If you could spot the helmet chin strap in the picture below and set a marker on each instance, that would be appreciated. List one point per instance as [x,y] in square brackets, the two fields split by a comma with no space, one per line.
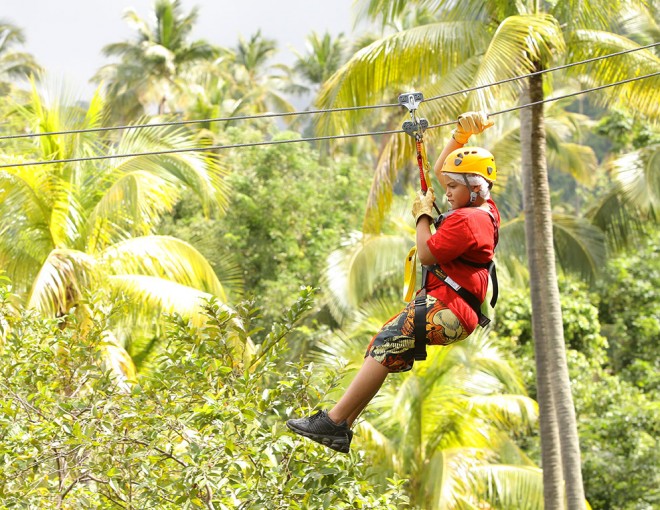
[473,194]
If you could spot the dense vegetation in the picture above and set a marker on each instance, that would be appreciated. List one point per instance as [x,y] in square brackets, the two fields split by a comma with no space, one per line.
[162,316]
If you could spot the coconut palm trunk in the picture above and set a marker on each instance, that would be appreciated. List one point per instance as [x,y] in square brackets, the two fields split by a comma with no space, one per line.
[550,449]
[553,384]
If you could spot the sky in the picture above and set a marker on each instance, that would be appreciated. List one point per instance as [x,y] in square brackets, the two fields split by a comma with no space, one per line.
[66,36]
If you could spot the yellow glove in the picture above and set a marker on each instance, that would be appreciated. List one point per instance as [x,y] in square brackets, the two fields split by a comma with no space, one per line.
[423,205]
[470,123]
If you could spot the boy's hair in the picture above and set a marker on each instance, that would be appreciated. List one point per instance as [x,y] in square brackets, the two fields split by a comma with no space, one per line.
[474,180]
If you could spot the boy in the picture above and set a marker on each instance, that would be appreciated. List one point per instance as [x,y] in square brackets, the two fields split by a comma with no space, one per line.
[461,246]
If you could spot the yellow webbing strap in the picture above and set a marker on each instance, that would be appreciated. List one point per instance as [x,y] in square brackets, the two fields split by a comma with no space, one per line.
[410,274]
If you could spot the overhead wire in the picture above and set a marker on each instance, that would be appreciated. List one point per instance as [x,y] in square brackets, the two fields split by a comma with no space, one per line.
[316,111]
[572,94]
[310,139]
[197,121]
[538,73]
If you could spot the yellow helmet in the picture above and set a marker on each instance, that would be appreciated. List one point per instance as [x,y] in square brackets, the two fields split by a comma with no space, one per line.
[471,160]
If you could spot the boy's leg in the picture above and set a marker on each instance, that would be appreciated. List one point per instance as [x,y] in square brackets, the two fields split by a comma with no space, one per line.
[333,429]
[359,393]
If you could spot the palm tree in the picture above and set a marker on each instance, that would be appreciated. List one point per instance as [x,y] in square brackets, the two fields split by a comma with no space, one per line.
[323,57]
[151,67]
[477,43]
[73,228]
[13,64]
[240,81]
[254,76]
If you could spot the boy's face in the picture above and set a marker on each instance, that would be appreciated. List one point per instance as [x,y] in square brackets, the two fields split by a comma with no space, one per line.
[457,194]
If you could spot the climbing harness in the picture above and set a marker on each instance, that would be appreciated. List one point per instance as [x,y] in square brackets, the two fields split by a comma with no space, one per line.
[470,298]
[415,127]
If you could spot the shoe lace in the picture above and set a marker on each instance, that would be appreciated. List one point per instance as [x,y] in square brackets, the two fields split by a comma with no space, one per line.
[316,417]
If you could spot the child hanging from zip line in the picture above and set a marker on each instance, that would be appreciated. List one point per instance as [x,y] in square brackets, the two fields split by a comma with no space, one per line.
[461,248]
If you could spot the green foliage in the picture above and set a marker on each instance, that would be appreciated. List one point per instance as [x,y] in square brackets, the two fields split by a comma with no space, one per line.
[288,211]
[580,320]
[202,429]
[630,313]
[625,132]
[618,422]
[619,430]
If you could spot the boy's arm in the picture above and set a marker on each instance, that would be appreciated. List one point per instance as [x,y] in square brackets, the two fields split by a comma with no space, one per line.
[451,145]
[468,124]
[423,235]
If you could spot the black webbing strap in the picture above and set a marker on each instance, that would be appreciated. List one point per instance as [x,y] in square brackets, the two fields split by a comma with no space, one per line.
[419,320]
[492,271]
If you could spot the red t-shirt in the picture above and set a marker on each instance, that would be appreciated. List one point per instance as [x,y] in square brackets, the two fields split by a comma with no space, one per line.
[468,233]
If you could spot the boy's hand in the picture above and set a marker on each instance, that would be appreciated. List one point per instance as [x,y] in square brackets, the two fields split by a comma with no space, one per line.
[423,205]
[471,123]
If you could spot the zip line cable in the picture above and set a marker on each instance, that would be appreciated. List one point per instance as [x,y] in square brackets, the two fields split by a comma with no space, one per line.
[197,121]
[311,139]
[572,94]
[537,73]
[311,112]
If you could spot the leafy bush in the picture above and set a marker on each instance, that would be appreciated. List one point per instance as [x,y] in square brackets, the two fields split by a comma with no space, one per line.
[288,210]
[579,315]
[619,429]
[618,424]
[630,313]
[204,428]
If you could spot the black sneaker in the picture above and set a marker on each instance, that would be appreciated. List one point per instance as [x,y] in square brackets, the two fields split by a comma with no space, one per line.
[320,428]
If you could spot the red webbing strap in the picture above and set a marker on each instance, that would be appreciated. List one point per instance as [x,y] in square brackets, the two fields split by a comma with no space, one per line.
[420,162]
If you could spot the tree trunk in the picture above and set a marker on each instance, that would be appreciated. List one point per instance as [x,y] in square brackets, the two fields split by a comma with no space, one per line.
[553,479]
[552,369]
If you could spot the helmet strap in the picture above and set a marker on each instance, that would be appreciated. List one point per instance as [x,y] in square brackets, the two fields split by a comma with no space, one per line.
[473,194]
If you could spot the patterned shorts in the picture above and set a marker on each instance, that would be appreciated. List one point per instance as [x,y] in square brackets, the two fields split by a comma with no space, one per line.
[394,345]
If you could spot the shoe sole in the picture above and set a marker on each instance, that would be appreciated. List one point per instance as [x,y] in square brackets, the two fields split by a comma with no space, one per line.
[339,444]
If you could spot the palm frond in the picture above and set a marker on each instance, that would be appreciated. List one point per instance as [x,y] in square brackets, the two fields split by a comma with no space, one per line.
[516,44]
[61,281]
[360,266]
[151,295]
[66,214]
[509,487]
[371,75]
[639,176]
[164,257]
[390,162]
[132,205]
[632,199]
[118,360]
[199,171]
[510,412]
[578,160]
[580,247]
[447,479]
[512,240]
[639,97]
[620,220]
[383,451]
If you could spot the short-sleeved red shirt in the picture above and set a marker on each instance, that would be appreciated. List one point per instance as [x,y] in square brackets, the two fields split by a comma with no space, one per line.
[469,233]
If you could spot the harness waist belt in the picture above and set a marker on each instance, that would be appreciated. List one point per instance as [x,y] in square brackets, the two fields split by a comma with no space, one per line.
[467,296]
